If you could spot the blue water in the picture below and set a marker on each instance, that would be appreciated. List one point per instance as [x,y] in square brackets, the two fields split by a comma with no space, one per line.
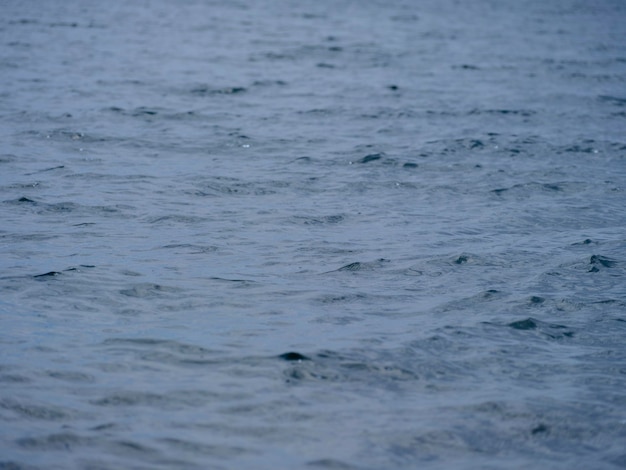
[341,235]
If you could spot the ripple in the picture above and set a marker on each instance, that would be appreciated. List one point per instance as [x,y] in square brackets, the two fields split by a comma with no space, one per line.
[36,411]
[61,441]
[149,291]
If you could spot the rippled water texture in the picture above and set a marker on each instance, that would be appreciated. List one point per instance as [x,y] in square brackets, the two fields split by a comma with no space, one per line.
[327,235]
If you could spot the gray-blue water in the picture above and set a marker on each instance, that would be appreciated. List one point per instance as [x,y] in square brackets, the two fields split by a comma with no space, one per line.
[312,235]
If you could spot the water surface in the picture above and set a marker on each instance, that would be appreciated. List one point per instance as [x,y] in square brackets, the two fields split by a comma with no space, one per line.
[341,235]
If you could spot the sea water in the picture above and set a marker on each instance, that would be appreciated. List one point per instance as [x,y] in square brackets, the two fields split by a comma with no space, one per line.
[327,235]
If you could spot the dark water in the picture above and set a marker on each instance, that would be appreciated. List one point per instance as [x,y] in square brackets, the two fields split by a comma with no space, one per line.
[332,234]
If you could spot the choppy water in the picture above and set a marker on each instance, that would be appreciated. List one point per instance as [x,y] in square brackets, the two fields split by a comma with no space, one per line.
[332,234]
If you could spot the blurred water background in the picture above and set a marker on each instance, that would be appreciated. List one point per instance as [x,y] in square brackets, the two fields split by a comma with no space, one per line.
[324,235]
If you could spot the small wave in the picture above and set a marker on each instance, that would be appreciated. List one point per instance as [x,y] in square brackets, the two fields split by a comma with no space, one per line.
[35,411]
[149,291]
